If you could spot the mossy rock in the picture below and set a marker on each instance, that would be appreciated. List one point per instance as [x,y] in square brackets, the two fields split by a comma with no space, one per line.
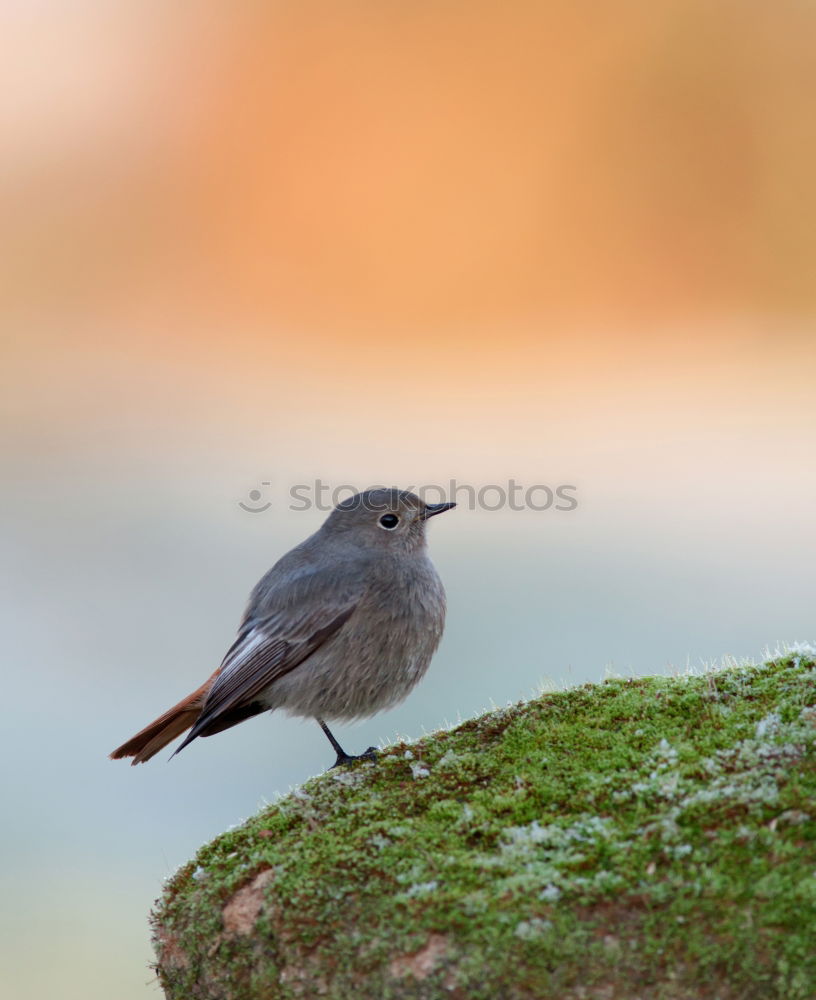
[642,838]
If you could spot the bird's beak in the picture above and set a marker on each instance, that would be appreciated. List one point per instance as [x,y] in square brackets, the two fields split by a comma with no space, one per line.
[432,509]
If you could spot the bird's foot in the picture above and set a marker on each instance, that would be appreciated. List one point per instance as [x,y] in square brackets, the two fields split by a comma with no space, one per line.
[343,759]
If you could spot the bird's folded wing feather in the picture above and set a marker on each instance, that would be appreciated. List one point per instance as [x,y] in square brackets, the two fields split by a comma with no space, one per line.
[275,637]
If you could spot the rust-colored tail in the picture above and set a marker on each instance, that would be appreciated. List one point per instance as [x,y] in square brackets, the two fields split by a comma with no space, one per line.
[176,720]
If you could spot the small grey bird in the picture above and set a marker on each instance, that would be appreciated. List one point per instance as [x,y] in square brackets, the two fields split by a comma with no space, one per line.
[341,627]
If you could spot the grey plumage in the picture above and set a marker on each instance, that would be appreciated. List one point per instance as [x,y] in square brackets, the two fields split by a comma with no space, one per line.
[341,627]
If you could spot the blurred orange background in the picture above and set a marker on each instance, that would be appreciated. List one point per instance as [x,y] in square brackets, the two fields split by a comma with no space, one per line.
[261,243]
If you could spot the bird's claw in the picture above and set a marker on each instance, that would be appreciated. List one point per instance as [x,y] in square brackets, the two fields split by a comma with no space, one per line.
[344,759]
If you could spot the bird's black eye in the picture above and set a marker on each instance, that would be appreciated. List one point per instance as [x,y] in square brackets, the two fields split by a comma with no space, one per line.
[389,521]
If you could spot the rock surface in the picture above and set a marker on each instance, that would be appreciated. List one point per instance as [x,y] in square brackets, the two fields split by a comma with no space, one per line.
[643,838]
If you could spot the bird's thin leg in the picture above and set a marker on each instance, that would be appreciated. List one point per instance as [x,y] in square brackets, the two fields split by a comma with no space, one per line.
[342,757]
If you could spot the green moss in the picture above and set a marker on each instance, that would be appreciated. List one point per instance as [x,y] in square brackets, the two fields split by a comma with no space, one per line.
[658,832]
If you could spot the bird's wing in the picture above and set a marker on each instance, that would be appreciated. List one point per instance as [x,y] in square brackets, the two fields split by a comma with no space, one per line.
[294,620]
